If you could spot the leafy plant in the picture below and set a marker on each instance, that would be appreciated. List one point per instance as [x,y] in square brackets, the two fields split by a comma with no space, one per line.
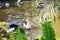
[11,36]
[21,34]
[48,31]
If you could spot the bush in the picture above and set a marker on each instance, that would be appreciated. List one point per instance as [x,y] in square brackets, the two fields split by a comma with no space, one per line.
[48,31]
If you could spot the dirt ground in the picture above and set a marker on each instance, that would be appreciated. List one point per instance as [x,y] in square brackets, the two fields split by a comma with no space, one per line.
[57,26]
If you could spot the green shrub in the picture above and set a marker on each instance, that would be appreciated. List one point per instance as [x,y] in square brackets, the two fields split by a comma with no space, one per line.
[47,31]
[20,35]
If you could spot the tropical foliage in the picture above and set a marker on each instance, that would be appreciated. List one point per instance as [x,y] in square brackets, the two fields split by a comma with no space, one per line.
[47,31]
